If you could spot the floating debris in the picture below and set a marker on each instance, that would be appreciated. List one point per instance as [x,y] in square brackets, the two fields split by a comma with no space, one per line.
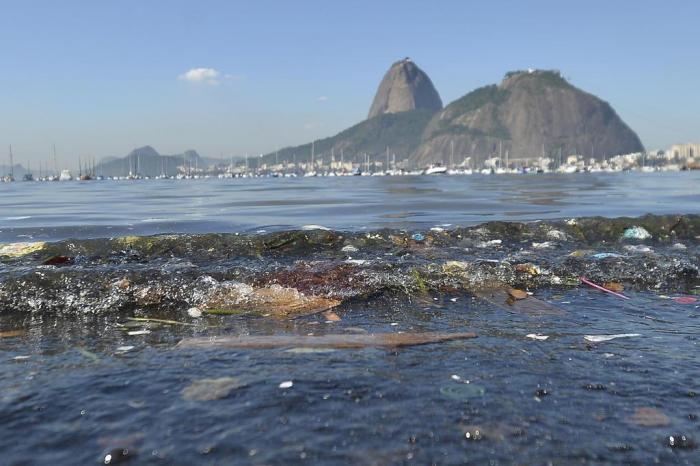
[598,287]
[12,333]
[274,300]
[681,441]
[158,321]
[649,417]
[58,260]
[501,298]
[601,338]
[517,294]
[194,312]
[286,384]
[606,255]
[339,341]
[636,232]
[349,248]
[124,349]
[331,316]
[537,336]
[211,389]
[21,249]
[685,299]
[138,332]
[613,286]
[418,237]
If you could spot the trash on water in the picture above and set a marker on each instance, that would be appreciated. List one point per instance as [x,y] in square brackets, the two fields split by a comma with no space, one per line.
[12,333]
[417,237]
[211,389]
[636,232]
[21,249]
[649,417]
[556,234]
[537,336]
[58,260]
[681,441]
[349,248]
[598,287]
[138,332]
[340,341]
[303,350]
[613,286]
[278,301]
[22,357]
[601,338]
[194,312]
[606,255]
[118,455]
[638,248]
[287,384]
[489,244]
[124,349]
[685,299]
[159,321]
[463,391]
[543,245]
[517,294]
[331,316]
[528,268]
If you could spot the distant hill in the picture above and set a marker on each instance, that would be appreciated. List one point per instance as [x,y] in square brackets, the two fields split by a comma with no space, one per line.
[531,113]
[146,161]
[400,132]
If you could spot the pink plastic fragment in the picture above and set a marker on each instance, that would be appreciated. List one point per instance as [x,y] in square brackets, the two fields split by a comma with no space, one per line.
[598,287]
[685,300]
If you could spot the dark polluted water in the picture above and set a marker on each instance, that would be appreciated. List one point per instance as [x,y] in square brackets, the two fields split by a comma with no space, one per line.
[427,345]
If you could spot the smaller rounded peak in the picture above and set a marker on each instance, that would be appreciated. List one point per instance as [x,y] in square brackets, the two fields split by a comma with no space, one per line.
[553,77]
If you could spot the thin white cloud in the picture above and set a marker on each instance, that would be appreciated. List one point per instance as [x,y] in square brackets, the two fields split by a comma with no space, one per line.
[322,98]
[201,75]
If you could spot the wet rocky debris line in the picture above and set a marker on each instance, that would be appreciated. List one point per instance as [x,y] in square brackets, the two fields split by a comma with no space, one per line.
[294,273]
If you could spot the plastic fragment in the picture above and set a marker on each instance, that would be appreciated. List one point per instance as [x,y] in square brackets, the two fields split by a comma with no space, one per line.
[598,287]
[649,417]
[12,333]
[537,336]
[349,248]
[606,255]
[194,312]
[211,389]
[602,338]
[287,384]
[685,300]
[417,237]
[20,249]
[636,232]
[124,349]
[138,332]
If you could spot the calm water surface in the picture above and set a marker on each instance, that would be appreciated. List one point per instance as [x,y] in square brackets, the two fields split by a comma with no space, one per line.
[51,211]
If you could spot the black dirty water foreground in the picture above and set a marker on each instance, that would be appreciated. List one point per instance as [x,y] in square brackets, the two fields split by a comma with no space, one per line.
[546,342]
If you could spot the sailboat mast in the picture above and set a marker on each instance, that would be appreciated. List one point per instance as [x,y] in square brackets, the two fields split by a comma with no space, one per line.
[12,164]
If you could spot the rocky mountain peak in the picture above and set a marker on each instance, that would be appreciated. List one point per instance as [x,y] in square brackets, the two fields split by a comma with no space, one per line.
[404,87]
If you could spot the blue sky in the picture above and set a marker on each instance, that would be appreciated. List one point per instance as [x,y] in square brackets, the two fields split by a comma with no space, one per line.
[101,77]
